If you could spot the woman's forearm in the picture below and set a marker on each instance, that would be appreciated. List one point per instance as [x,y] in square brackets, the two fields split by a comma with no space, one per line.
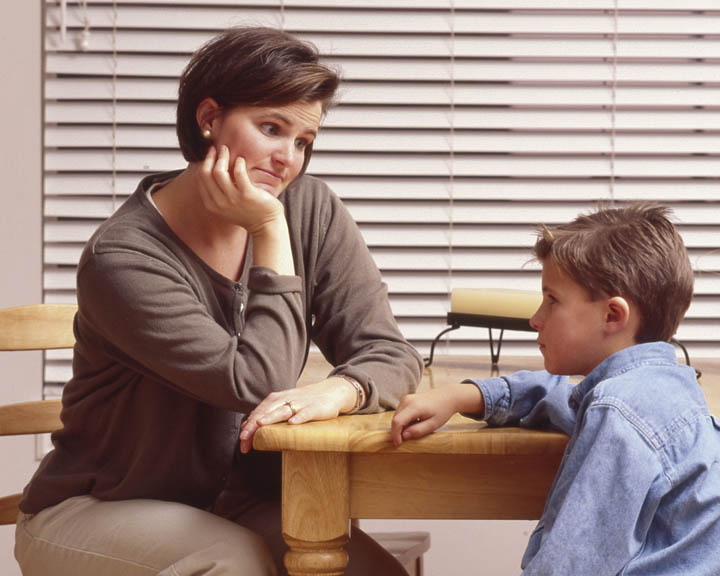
[271,247]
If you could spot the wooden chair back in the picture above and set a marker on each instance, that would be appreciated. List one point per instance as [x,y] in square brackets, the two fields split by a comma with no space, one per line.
[33,327]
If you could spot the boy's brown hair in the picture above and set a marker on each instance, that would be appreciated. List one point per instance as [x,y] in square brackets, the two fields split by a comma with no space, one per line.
[633,252]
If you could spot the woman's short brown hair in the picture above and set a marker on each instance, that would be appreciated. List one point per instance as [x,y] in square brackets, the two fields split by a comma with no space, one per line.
[633,252]
[251,67]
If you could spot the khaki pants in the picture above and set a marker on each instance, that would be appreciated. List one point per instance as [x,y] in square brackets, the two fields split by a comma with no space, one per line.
[86,537]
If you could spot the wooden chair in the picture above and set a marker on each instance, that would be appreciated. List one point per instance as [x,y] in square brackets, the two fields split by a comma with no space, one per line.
[33,327]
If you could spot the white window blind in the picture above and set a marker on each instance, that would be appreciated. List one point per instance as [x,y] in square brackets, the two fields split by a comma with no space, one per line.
[462,125]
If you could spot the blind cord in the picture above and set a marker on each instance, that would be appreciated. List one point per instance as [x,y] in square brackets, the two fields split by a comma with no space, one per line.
[451,190]
[613,106]
[63,20]
[85,34]
[114,106]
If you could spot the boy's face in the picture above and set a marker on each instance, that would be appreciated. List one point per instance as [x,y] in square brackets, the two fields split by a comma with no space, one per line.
[570,325]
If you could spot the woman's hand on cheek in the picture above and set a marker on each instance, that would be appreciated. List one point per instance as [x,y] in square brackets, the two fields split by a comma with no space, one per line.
[322,400]
[235,198]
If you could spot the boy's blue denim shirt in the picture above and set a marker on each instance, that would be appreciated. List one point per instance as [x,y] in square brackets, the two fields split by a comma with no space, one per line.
[638,489]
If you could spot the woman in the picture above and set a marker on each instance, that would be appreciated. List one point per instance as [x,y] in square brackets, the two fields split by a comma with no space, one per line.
[197,302]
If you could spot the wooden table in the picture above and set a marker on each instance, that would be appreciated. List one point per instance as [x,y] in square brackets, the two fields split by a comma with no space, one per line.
[348,468]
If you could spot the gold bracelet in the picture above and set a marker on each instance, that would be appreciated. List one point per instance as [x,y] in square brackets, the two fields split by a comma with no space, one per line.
[360,402]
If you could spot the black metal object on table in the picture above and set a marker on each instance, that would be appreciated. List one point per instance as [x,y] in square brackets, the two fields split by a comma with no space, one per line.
[456,320]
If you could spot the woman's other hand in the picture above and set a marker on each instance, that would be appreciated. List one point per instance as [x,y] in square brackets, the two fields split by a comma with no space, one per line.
[322,400]
[418,415]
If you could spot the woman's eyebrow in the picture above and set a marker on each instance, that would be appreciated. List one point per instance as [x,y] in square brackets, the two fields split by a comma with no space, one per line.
[285,120]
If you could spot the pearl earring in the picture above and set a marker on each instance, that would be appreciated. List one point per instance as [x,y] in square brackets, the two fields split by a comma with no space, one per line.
[206,134]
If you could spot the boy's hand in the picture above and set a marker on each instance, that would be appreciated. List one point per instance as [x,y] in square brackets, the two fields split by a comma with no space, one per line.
[418,415]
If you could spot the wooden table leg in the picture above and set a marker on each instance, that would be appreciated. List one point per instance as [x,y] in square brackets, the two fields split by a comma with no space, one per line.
[316,512]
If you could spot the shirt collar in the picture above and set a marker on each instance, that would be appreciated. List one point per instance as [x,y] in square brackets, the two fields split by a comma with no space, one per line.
[622,361]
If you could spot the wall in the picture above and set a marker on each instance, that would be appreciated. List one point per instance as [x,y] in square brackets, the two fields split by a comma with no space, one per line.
[20,226]
[462,547]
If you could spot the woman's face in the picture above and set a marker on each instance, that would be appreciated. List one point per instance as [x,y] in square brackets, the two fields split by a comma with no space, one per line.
[272,140]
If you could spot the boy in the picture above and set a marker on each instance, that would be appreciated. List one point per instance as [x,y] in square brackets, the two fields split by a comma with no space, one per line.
[638,490]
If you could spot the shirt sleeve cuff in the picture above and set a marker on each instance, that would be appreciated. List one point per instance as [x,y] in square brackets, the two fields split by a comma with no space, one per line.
[359,376]
[268,281]
[496,395]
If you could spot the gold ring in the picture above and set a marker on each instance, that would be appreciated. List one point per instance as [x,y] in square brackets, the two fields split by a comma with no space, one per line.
[290,405]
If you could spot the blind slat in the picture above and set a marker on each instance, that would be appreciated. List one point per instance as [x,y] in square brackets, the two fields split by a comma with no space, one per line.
[351,187]
[424,70]
[414,46]
[398,21]
[156,91]
[61,280]
[478,211]
[418,141]
[358,117]
[651,5]
[408,164]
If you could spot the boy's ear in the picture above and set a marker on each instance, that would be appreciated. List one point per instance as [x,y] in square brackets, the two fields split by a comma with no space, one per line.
[617,314]
[206,113]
